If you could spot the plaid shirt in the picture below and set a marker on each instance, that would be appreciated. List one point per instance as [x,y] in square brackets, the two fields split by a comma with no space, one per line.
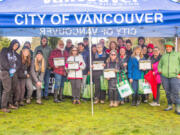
[56,53]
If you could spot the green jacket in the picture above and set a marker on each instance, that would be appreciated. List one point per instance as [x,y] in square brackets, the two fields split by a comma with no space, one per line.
[169,64]
[46,52]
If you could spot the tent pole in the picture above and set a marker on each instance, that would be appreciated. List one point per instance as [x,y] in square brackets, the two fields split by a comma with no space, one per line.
[176,43]
[90,58]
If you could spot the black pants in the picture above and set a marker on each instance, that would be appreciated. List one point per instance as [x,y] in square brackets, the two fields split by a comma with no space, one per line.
[76,88]
[158,94]
[99,94]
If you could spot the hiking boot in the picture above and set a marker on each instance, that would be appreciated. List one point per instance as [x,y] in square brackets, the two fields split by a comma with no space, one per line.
[38,101]
[21,103]
[5,110]
[12,107]
[28,101]
[177,111]
[170,107]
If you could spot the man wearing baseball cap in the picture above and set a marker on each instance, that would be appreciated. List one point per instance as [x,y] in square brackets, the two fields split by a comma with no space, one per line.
[169,67]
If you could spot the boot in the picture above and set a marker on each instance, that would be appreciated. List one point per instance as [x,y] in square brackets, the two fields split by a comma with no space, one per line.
[6,110]
[177,109]
[170,107]
[133,100]
[56,96]
[61,94]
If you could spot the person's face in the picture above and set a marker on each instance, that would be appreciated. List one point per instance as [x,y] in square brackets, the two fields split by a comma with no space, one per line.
[113,56]
[68,44]
[156,52]
[86,42]
[74,52]
[39,57]
[169,49]
[150,50]
[120,42]
[113,46]
[144,50]
[128,46]
[81,48]
[94,50]
[141,42]
[138,51]
[122,51]
[25,52]
[102,42]
[15,46]
[44,41]
[99,49]
[61,45]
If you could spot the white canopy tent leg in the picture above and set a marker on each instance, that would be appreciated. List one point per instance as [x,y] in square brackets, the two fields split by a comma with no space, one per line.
[176,48]
[91,82]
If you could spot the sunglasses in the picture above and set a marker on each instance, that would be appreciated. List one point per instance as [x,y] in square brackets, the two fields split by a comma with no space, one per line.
[113,54]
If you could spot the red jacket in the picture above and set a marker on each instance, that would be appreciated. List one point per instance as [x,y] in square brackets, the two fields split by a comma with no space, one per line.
[56,53]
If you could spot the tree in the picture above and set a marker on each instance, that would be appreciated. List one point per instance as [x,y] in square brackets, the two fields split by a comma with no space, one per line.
[4,42]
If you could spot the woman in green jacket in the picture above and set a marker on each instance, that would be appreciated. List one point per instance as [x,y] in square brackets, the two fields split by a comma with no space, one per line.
[169,67]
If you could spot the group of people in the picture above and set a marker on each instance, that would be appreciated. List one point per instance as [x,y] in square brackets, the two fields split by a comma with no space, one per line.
[28,69]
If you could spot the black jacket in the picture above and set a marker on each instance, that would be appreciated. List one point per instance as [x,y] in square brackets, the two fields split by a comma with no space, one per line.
[8,53]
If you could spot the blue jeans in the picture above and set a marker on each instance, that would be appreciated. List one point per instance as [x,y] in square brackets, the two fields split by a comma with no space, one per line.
[58,81]
[46,82]
[172,88]
[135,86]
[62,81]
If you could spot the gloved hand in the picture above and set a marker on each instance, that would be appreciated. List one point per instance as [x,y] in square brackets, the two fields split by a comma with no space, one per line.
[12,71]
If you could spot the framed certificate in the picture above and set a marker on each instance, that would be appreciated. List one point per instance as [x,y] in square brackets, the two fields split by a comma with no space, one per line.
[59,62]
[73,65]
[109,73]
[98,65]
[145,64]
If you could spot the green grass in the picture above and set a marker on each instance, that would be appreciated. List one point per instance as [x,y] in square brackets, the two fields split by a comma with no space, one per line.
[68,119]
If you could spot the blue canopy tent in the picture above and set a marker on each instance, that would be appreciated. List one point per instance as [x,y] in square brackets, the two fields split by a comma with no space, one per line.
[93,18]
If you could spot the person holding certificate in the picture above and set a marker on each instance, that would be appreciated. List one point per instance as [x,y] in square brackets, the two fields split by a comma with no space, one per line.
[134,73]
[98,61]
[75,66]
[113,63]
[57,61]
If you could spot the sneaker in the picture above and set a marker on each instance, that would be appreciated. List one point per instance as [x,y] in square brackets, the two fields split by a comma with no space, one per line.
[74,101]
[154,104]
[39,102]
[102,102]
[122,102]
[46,98]
[115,104]
[111,104]
[96,101]
[168,108]
[78,102]
[21,103]
[145,101]
[28,101]
[12,107]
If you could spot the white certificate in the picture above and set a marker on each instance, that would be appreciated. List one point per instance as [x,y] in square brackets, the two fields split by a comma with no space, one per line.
[145,64]
[73,65]
[109,73]
[59,62]
[98,65]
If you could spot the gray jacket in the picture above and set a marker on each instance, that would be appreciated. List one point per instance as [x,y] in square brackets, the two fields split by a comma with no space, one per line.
[36,75]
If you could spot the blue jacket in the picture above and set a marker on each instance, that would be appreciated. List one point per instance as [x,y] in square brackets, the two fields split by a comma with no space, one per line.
[85,55]
[133,69]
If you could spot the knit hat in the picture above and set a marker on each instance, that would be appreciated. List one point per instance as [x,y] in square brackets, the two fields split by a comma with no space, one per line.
[169,44]
[39,52]
[150,45]
[122,47]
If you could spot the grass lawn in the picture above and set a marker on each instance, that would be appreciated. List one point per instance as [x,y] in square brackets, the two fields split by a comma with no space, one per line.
[68,119]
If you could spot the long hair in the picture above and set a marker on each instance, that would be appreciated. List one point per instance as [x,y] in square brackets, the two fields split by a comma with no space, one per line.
[112,43]
[134,52]
[72,49]
[109,59]
[26,60]
[37,68]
